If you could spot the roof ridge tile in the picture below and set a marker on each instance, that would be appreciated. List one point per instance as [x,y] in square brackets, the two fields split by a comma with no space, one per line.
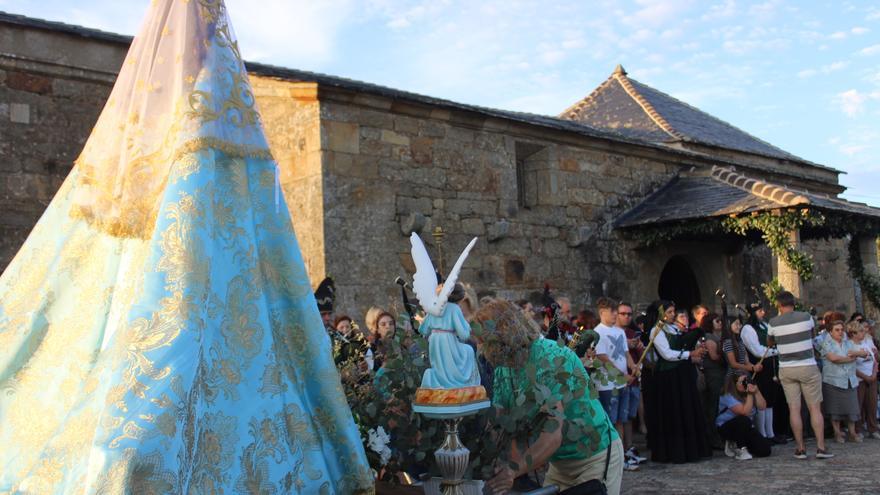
[662,123]
[762,189]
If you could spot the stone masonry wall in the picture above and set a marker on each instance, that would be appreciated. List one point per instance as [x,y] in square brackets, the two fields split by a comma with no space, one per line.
[44,122]
[52,88]
[390,165]
[832,286]
[292,123]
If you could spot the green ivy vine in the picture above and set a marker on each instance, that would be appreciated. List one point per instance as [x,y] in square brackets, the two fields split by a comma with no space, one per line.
[870,284]
[775,229]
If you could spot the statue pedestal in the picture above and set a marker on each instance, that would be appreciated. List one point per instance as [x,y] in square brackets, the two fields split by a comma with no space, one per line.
[452,457]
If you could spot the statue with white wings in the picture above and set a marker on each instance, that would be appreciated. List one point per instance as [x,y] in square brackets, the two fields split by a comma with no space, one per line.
[453,364]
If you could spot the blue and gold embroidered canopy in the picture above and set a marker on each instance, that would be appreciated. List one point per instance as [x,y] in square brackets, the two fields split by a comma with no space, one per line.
[158,332]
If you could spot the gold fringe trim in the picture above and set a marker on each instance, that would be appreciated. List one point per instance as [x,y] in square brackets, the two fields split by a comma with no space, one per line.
[138,220]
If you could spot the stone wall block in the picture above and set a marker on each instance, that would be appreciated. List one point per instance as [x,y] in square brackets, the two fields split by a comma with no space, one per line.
[407,204]
[375,147]
[471,207]
[20,113]
[379,120]
[473,226]
[569,164]
[556,248]
[422,149]
[414,222]
[340,113]
[432,128]
[370,132]
[460,134]
[580,235]
[406,125]
[498,230]
[32,83]
[394,138]
[340,136]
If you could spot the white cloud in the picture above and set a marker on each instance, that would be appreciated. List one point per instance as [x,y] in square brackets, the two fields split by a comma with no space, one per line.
[298,33]
[851,102]
[750,45]
[656,13]
[825,69]
[838,35]
[723,11]
[861,143]
[671,34]
[870,50]
[765,11]
[807,73]
[859,30]
[854,102]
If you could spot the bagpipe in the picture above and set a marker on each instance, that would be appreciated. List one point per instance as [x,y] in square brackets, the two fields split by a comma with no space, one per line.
[409,307]
[747,313]
[557,327]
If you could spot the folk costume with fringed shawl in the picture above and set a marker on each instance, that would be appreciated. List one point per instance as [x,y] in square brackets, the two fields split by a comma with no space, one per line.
[676,423]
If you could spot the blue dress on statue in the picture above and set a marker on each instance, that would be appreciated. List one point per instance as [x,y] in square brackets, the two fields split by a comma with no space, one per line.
[183,355]
[452,360]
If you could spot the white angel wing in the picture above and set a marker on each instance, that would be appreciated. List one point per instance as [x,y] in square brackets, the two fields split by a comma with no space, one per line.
[425,278]
[449,284]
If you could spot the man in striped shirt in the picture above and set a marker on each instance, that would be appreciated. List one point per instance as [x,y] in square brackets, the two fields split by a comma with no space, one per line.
[792,333]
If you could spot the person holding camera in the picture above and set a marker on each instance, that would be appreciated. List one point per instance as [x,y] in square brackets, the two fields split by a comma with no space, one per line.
[736,412]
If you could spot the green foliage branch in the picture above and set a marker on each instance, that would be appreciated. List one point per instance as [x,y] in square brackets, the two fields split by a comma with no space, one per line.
[385,399]
[774,228]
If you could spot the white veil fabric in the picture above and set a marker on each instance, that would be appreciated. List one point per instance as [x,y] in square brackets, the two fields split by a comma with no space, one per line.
[173,97]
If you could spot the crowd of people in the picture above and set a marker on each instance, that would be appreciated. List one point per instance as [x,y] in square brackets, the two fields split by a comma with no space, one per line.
[689,379]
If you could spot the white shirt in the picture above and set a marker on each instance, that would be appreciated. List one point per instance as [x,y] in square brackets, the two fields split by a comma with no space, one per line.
[750,338]
[661,344]
[612,343]
[865,365]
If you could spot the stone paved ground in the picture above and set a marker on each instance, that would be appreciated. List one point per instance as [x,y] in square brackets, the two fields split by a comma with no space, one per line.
[855,469]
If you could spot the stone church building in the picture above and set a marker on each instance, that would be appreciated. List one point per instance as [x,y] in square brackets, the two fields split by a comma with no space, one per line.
[556,199]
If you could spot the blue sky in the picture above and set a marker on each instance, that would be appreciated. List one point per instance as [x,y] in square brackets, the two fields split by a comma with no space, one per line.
[804,76]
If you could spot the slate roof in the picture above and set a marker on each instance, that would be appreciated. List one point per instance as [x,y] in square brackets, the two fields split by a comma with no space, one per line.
[723,192]
[650,136]
[341,82]
[375,89]
[62,27]
[630,108]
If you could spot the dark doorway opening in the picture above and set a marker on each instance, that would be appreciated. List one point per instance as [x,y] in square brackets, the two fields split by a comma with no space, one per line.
[678,283]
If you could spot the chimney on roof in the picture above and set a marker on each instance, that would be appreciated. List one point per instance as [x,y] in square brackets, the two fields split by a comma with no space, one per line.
[619,70]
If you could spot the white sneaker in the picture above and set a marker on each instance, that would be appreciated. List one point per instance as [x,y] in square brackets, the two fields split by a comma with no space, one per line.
[875,435]
[729,448]
[742,454]
[633,455]
[630,466]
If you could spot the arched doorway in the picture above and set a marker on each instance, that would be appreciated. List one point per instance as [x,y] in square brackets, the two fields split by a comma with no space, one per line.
[679,283]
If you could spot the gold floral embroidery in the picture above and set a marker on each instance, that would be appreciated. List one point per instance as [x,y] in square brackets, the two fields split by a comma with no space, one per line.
[215,454]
